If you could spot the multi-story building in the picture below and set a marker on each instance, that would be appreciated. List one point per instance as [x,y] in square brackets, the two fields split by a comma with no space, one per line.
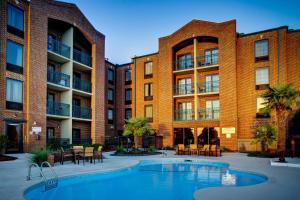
[204,83]
[52,78]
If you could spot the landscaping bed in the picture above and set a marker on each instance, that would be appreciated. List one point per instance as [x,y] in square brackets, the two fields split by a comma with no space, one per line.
[7,158]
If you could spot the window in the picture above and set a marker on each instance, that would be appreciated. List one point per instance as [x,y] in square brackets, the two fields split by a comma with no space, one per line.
[128,93]
[211,56]
[260,104]
[149,112]
[148,91]
[128,113]
[261,50]
[14,94]
[185,112]
[128,77]
[185,86]
[212,109]
[15,20]
[148,70]
[110,96]
[14,56]
[184,62]
[110,116]
[110,76]
[211,83]
[262,77]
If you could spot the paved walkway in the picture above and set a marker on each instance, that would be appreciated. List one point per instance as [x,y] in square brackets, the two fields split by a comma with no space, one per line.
[283,182]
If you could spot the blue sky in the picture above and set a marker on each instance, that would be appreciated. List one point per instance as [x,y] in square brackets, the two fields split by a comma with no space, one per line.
[132,27]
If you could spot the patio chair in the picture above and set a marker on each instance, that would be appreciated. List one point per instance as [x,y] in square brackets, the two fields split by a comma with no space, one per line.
[204,150]
[89,153]
[65,154]
[193,149]
[98,154]
[78,153]
[214,150]
[180,149]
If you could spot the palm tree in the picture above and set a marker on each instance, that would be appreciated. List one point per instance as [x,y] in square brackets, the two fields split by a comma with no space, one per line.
[137,127]
[281,98]
[265,135]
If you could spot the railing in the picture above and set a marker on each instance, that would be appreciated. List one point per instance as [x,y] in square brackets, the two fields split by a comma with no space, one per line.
[81,112]
[82,141]
[82,85]
[58,78]
[183,89]
[209,86]
[184,64]
[208,60]
[54,108]
[184,115]
[58,47]
[209,114]
[82,57]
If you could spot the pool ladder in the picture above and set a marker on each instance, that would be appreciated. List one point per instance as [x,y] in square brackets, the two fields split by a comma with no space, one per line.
[49,182]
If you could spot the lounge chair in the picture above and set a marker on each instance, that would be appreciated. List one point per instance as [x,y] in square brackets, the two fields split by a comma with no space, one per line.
[65,154]
[204,150]
[89,153]
[214,150]
[180,149]
[98,154]
[194,149]
[78,153]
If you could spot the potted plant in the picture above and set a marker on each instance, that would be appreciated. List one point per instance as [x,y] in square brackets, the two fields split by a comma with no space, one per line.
[3,142]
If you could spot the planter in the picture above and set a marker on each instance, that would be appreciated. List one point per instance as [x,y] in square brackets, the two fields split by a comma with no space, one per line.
[50,159]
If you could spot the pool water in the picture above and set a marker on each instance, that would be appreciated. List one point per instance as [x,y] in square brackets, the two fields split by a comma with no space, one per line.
[148,180]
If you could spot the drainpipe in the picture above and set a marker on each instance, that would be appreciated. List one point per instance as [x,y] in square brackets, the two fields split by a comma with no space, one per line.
[134,86]
[278,56]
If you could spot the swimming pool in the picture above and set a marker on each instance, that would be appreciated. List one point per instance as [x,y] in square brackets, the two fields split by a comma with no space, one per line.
[150,179]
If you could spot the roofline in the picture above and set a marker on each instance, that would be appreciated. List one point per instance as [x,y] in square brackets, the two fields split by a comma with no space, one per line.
[124,64]
[109,62]
[263,31]
[292,30]
[150,54]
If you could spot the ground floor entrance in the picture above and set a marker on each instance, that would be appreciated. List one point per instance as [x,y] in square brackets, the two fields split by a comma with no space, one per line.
[14,132]
[199,135]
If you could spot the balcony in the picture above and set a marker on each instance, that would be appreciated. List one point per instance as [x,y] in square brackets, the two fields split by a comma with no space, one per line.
[208,61]
[184,90]
[209,87]
[209,114]
[82,60]
[82,85]
[58,78]
[184,64]
[81,112]
[58,51]
[60,109]
[184,115]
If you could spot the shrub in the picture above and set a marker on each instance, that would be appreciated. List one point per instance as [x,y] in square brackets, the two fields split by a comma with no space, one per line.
[3,142]
[39,156]
[120,149]
[53,144]
[152,149]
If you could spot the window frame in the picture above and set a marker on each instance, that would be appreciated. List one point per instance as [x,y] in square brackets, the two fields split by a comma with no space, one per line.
[150,119]
[125,113]
[113,76]
[260,115]
[14,105]
[149,96]
[264,57]
[148,75]
[10,66]
[127,101]
[110,121]
[128,82]
[12,29]
[110,101]
[262,86]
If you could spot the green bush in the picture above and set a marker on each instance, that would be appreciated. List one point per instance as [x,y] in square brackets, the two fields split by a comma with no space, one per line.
[3,142]
[39,156]
[53,144]
[120,149]
[261,154]
[152,149]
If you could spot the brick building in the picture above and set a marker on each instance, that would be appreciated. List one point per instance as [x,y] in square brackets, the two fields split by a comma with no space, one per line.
[204,83]
[52,76]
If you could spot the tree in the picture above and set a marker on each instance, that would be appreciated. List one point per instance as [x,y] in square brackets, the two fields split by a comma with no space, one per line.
[137,127]
[281,98]
[265,135]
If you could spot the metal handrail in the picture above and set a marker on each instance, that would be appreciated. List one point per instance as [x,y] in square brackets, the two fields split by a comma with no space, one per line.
[29,171]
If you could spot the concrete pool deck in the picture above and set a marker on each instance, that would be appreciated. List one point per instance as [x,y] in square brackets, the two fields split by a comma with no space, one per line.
[282,183]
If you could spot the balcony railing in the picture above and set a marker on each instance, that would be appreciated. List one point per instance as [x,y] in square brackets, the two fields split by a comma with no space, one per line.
[183,89]
[82,85]
[82,141]
[58,47]
[54,108]
[207,87]
[82,57]
[209,114]
[184,115]
[58,78]
[82,112]
[208,60]
[184,64]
